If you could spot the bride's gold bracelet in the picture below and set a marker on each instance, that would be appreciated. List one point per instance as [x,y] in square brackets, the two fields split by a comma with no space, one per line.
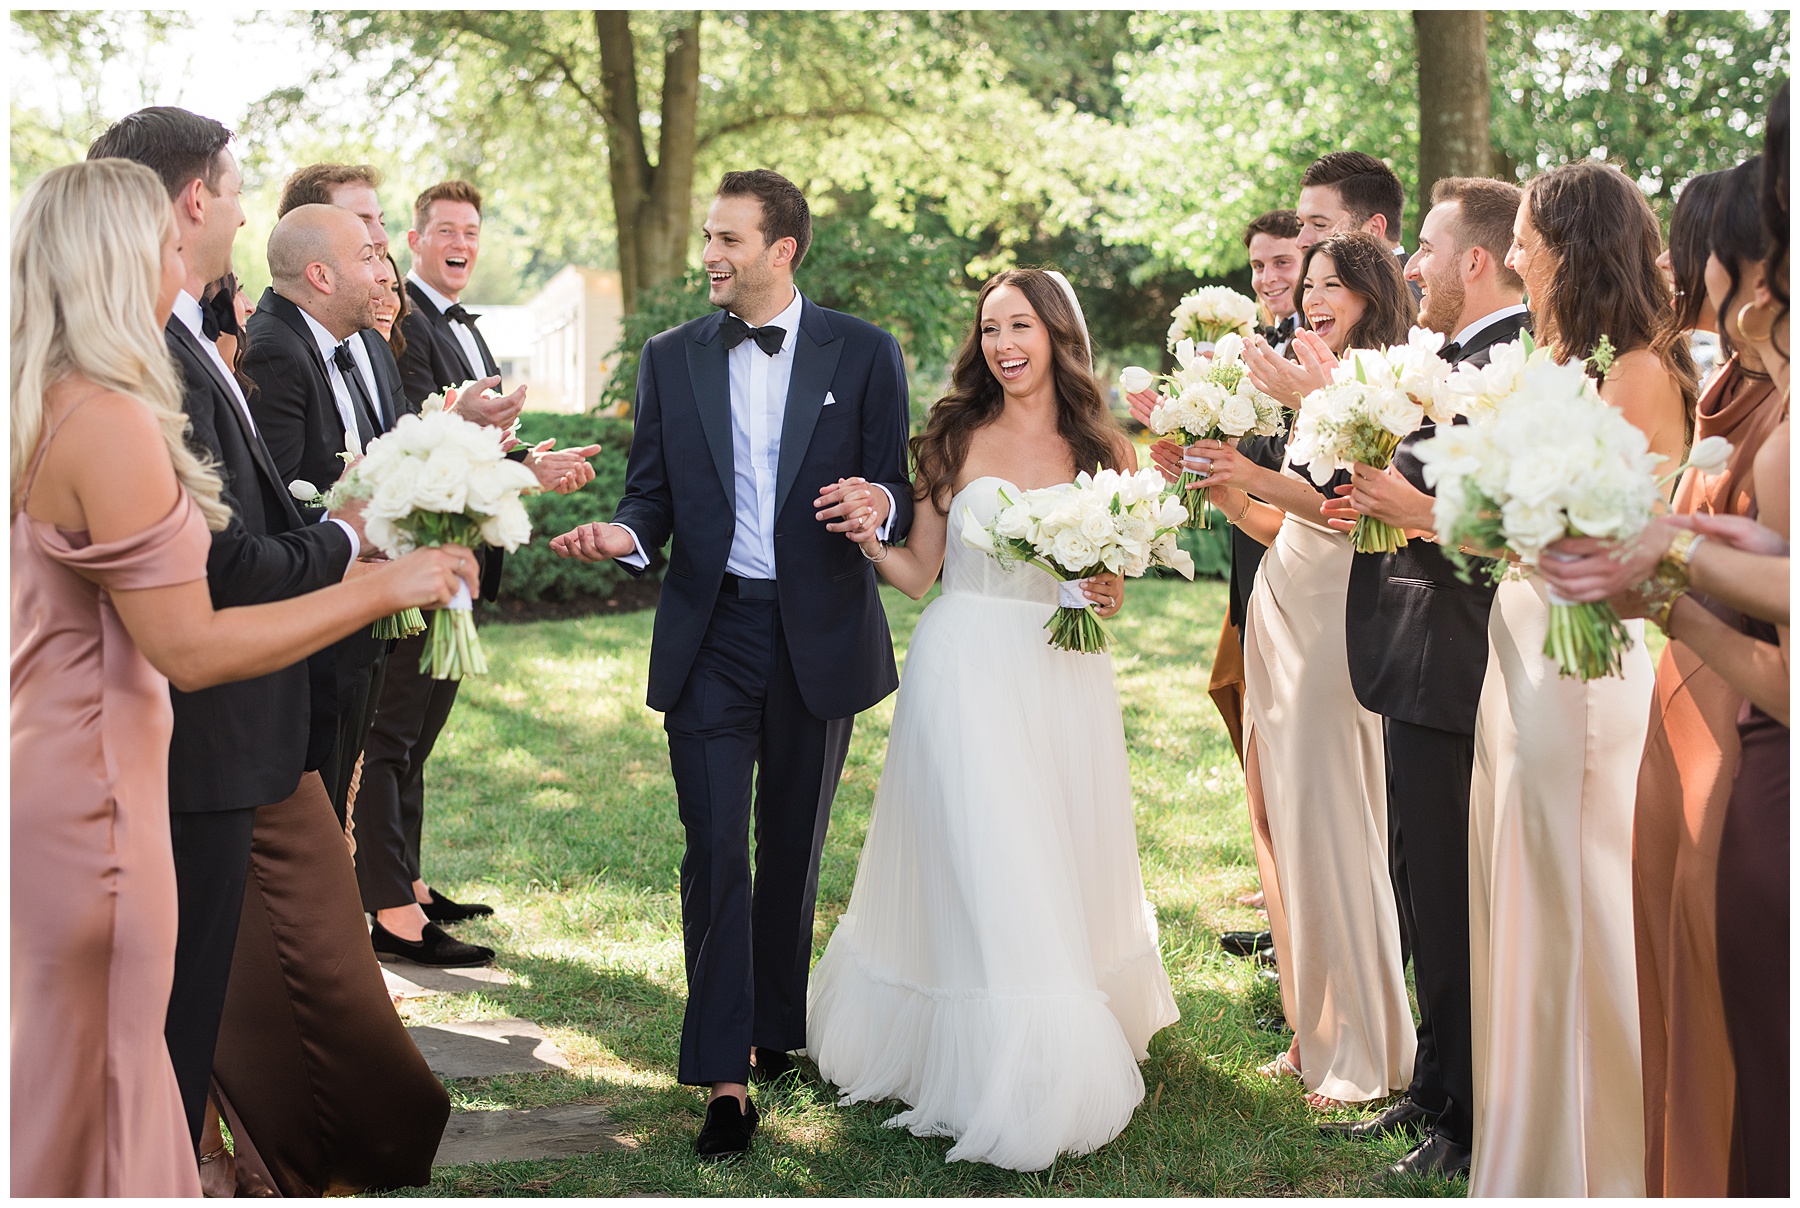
[1239,518]
[863,546]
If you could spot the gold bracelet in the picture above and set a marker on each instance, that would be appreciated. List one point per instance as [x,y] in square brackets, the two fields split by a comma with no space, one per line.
[1672,568]
[1239,518]
[1661,612]
[863,546]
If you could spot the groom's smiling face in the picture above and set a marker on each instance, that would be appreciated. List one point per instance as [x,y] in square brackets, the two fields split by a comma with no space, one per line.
[744,272]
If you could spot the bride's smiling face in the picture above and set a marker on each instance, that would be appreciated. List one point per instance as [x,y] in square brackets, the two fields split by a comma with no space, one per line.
[1332,308]
[1015,342]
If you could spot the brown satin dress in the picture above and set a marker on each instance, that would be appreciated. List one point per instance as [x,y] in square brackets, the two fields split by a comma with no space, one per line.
[1689,760]
[95,1109]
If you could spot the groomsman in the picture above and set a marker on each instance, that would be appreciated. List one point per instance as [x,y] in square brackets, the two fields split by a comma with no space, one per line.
[444,348]
[238,746]
[1417,638]
[1273,243]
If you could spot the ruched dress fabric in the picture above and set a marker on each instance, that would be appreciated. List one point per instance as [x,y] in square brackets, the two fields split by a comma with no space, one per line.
[997,968]
[95,1108]
[1314,760]
[1553,969]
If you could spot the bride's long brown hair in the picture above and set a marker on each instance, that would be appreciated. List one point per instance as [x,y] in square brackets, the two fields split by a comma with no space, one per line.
[976,400]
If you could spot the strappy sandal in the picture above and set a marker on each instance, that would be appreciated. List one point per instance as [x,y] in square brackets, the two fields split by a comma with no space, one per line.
[1321,1103]
[1275,1069]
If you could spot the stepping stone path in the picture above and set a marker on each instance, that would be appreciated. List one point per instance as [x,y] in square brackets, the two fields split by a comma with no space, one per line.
[422,981]
[483,1048]
[566,1131]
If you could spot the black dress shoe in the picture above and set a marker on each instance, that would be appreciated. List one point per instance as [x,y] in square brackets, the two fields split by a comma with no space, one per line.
[770,1065]
[1247,943]
[728,1129]
[442,910]
[1435,1155]
[434,947]
[1403,1116]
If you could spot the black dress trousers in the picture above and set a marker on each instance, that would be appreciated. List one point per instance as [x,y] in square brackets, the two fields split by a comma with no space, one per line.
[1428,774]
[744,750]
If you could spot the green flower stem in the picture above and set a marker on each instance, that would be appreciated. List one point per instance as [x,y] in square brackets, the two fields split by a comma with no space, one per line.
[1587,641]
[1195,501]
[1079,630]
[1372,536]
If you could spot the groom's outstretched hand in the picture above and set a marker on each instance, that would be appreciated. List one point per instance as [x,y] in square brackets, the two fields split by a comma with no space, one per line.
[594,542]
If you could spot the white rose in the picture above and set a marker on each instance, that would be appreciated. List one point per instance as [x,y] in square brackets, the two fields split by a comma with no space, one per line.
[443,484]
[1395,411]
[388,539]
[1529,529]
[1238,415]
[1135,379]
[1097,526]
[393,497]
[509,528]
[1073,551]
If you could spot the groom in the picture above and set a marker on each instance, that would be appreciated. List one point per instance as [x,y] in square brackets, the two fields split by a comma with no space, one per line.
[770,635]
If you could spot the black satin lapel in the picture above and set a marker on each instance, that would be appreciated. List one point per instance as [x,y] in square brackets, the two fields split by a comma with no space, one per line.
[259,452]
[814,366]
[711,382]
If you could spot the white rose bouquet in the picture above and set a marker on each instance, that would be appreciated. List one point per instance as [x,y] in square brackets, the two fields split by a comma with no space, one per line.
[1208,313]
[1547,459]
[401,624]
[437,479]
[1375,399]
[1209,398]
[1105,521]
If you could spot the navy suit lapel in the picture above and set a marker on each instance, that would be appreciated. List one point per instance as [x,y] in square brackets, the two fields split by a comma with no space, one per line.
[816,355]
[711,382]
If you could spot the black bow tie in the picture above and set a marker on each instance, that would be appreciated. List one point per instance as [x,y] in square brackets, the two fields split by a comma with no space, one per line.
[209,323]
[735,331]
[1451,351]
[460,315]
[1281,331]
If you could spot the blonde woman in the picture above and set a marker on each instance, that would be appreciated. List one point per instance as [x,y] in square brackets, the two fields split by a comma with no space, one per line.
[111,523]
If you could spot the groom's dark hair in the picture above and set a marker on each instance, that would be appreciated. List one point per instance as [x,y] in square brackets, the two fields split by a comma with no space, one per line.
[785,212]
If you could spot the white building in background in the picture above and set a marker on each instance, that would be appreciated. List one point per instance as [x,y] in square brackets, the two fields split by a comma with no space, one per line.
[558,342]
[576,318]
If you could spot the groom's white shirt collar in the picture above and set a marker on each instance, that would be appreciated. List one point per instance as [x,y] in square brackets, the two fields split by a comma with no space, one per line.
[1486,321]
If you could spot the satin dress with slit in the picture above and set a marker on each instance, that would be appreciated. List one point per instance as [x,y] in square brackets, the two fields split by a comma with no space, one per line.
[95,1108]
[997,968]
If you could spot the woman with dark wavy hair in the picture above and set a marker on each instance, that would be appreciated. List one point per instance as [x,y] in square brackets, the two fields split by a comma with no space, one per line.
[1554,987]
[997,968]
[1683,265]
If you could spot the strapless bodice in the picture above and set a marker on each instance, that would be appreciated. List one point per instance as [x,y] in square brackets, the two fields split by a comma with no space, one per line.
[971,572]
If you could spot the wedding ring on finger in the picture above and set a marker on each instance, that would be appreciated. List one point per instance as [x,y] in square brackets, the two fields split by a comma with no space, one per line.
[1194,461]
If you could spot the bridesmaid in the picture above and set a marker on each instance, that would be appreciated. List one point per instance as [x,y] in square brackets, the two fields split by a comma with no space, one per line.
[1692,751]
[1314,767]
[110,531]
[1558,1081]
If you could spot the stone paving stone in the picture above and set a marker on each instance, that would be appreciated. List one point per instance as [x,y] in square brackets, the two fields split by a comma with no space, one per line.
[404,988]
[566,1131]
[453,981]
[483,1048]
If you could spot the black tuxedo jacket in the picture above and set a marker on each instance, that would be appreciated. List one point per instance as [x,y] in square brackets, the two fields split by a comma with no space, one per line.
[433,362]
[296,410]
[244,744]
[680,482]
[1417,635]
[434,358]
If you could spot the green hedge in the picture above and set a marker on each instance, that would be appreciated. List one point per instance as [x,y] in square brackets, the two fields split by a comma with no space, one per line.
[533,572]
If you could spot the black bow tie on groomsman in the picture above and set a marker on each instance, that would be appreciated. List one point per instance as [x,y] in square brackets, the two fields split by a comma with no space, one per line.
[462,316]
[1283,330]
[363,407]
[735,331]
[1451,351]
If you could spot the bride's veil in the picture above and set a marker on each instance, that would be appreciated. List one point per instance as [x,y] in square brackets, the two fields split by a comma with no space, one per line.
[1075,304]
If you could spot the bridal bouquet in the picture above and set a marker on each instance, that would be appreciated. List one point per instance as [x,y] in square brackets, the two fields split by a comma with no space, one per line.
[1210,312]
[1104,521]
[1209,398]
[1375,399]
[402,624]
[1547,459]
[438,479]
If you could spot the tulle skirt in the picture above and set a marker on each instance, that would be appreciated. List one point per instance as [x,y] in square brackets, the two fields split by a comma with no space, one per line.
[997,969]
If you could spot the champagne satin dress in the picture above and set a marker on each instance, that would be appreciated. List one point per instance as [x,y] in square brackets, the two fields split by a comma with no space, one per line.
[95,1108]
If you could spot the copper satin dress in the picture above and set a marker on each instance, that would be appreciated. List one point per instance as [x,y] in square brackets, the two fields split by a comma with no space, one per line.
[95,1109]
[1689,761]
[1316,771]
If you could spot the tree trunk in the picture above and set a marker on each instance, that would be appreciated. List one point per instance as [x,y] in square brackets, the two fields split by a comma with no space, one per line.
[1453,97]
[653,203]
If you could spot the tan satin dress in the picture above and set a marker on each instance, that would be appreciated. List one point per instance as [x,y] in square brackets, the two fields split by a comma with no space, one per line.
[95,1108]
[1552,962]
[1316,771]
[1682,789]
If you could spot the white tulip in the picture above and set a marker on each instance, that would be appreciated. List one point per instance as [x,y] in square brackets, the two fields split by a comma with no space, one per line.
[303,490]
[1710,455]
[1135,379]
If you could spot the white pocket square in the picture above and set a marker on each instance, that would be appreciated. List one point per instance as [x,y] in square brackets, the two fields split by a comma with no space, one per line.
[829,399]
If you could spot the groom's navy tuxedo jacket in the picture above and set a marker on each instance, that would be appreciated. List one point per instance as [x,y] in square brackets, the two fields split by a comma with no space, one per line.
[1417,634]
[680,482]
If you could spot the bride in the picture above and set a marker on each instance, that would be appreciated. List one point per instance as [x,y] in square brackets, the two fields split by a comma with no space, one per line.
[997,968]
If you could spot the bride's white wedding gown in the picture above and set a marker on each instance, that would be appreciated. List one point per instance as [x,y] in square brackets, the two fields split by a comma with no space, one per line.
[997,968]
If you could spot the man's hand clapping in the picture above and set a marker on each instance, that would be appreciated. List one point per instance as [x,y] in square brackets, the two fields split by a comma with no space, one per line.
[498,411]
[563,471]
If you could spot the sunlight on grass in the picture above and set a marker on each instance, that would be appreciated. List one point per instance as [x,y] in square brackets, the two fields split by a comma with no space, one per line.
[550,798]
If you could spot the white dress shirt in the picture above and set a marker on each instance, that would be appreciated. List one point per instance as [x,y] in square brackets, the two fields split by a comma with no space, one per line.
[187,309]
[1480,325]
[759,391]
[340,389]
[465,334]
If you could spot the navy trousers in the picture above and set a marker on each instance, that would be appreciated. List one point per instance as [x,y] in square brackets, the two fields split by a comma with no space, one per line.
[744,750]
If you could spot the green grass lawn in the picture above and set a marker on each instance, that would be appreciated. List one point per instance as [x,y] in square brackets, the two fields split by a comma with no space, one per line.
[550,798]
